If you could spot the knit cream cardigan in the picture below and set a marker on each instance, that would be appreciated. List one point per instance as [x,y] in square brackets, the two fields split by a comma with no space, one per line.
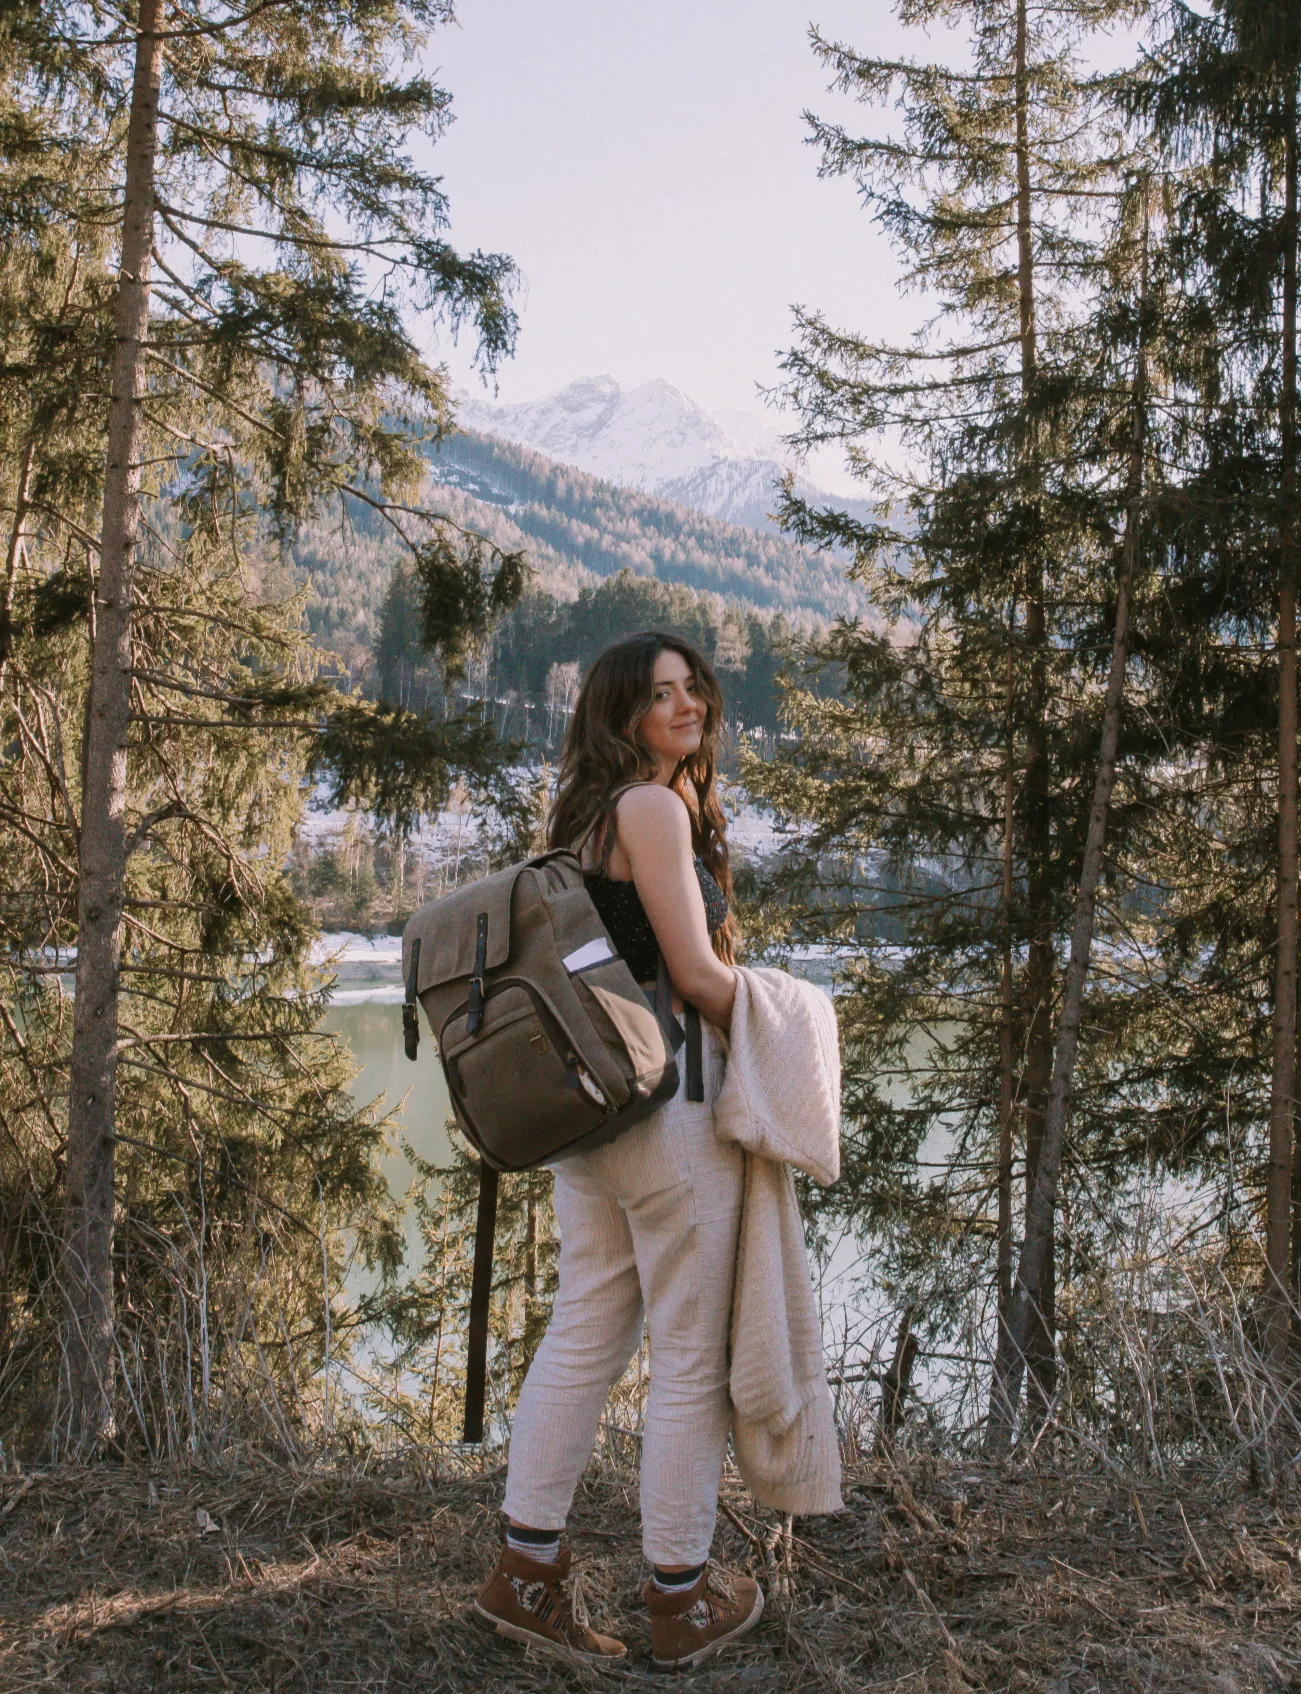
[780,1101]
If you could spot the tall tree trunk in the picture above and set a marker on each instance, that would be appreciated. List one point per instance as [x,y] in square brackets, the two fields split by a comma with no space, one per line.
[1282,1089]
[102,851]
[1041,1355]
[1040,1352]
[1294,1285]
[14,553]
[531,1250]
[1006,1049]
[1036,1250]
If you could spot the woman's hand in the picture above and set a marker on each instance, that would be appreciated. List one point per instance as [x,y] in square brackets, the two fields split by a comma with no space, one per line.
[654,831]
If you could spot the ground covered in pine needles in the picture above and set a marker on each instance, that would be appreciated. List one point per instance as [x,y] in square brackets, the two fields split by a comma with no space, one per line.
[937,1578]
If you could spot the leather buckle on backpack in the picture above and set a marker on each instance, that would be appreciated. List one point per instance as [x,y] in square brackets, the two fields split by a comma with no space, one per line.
[410,1029]
[410,1016]
[474,1005]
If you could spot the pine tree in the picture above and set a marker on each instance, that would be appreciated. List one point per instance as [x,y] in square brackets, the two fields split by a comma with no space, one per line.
[254,371]
[1223,89]
[403,671]
[959,745]
[1018,1321]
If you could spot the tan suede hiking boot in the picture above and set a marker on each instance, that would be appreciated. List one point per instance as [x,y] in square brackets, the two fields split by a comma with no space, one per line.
[688,1628]
[543,1606]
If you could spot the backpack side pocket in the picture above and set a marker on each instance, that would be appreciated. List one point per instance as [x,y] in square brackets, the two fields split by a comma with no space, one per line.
[622,1016]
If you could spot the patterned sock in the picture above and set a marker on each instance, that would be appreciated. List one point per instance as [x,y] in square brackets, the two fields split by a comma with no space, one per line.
[540,1544]
[677,1581]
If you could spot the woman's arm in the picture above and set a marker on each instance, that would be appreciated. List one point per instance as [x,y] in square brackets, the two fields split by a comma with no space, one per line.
[655,833]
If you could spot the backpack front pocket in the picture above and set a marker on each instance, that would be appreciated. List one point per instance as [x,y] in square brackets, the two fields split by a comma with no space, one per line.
[518,1084]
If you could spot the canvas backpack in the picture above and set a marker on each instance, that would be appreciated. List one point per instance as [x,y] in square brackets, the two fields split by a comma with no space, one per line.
[547,1043]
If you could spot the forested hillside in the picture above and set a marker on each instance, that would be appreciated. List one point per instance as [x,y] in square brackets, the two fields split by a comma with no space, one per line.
[574,530]
[532,664]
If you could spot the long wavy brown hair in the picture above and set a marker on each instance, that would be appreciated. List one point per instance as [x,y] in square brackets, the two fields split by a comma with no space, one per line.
[604,752]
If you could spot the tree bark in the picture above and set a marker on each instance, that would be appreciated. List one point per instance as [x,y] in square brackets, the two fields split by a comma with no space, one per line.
[1040,962]
[1294,1285]
[531,1250]
[1282,1089]
[1006,1053]
[102,847]
[14,553]
[1036,1250]
[895,1385]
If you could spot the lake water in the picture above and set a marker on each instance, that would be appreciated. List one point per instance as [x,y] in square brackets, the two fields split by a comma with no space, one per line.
[416,1094]
[366,1014]
[372,1032]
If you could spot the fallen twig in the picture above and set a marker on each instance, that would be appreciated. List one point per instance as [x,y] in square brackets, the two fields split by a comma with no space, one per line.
[932,1611]
[1206,1569]
[27,1483]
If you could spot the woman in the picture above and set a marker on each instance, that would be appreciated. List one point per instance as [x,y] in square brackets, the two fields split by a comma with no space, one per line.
[648,1223]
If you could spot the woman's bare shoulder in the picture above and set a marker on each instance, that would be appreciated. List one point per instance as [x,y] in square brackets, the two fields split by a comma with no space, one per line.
[653,809]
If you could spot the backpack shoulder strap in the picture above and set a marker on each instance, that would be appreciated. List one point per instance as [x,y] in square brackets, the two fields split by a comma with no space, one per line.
[476,1351]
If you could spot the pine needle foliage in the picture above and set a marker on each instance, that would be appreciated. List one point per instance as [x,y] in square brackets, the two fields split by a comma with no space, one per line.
[942,801]
[1222,92]
[220,257]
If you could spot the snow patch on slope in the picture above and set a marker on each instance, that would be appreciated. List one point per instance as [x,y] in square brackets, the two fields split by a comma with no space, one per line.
[742,491]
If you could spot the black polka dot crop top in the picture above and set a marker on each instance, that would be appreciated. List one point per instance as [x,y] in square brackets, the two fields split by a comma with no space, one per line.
[623,914]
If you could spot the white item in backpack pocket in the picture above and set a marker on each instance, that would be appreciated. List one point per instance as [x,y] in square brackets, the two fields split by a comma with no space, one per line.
[590,953]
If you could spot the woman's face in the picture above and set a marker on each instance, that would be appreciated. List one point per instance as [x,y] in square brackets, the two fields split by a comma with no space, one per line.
[672,728]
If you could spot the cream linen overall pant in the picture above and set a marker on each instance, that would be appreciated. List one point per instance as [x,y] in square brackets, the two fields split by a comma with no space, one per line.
[648,1230]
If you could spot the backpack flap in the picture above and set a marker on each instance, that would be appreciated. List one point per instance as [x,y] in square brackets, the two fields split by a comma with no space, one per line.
[459,936]
[460,933]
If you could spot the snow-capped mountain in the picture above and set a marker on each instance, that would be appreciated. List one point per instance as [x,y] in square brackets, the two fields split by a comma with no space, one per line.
[637,438]
[655,438]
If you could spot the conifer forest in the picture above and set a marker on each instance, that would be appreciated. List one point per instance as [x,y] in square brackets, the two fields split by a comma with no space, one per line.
[1016,728]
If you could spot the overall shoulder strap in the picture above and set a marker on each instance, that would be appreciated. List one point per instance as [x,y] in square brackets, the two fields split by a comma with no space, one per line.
[605,817]
[612,800]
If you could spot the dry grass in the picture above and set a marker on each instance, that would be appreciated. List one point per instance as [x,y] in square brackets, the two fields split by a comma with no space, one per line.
[937,1578]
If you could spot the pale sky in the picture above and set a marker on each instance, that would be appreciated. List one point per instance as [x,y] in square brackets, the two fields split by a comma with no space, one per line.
[646,167]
